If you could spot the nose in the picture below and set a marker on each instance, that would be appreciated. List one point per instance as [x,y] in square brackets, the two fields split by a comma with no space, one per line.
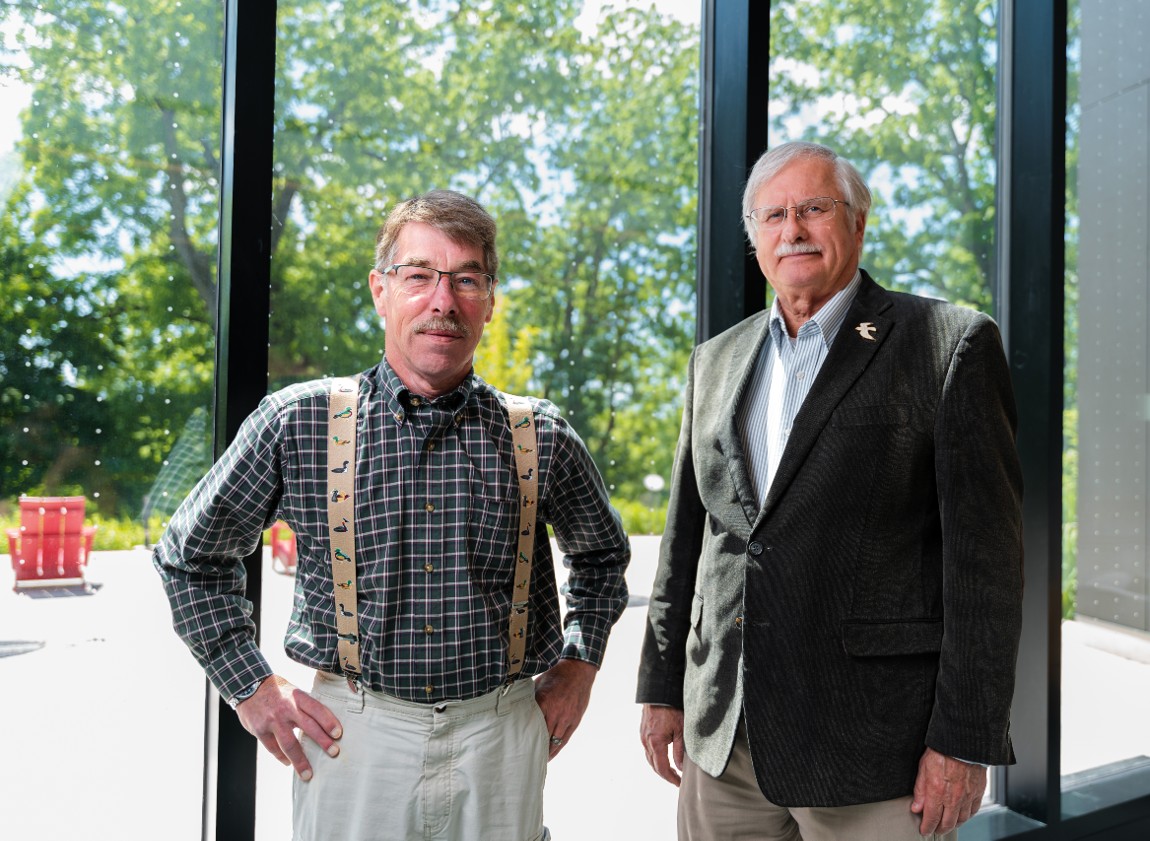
[443,296]
[793,228]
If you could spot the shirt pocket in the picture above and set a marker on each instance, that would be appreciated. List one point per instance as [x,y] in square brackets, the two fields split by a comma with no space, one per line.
[493,539]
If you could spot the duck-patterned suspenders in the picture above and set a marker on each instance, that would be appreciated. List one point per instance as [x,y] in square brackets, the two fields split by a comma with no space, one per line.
[341,458]
[343,409]
[527,469]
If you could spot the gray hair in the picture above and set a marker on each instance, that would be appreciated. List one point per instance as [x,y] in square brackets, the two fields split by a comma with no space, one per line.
[771,163]
[460,217]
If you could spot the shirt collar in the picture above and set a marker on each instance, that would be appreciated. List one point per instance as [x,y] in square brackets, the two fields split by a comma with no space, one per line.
[401,400]
[827,320]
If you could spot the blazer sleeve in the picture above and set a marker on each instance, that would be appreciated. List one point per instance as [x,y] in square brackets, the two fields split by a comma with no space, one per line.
[663,660]
[979,482]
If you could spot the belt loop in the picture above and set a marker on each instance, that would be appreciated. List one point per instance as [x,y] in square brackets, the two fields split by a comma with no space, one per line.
[502,703]
[356,702]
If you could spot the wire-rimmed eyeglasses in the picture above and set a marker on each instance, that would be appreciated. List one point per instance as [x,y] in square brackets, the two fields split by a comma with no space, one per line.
[818,209]
[422,280]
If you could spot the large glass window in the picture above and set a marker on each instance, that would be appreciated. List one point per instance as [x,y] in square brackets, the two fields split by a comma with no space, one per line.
[109,131]
[576,125]
[1106,556]
[908,95]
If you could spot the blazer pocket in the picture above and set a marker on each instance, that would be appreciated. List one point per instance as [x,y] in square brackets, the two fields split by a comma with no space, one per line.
[892,639]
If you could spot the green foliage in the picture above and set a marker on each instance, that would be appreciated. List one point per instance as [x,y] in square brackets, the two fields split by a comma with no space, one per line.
[582,146]
[117,533]
[1069,513]
[640,518]
[905,90]
[1070,339]
[109,236]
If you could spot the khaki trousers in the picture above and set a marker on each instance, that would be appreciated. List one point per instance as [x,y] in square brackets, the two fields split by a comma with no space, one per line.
[453,771]
[733,808]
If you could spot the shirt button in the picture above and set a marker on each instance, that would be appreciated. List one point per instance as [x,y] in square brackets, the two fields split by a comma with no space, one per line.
[429,507]
[429,689]
[738,621]
[429,567]
[415,401]
[428,629]
[755,548]
[431,446]
[801,375]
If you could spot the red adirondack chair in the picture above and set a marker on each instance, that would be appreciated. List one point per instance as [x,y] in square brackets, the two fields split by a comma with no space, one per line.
[282,540]
[52,545]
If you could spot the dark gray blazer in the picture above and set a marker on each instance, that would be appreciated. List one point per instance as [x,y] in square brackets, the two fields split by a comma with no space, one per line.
[872,607]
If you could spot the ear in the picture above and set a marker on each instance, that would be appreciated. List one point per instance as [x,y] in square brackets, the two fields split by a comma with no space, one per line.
[376,281]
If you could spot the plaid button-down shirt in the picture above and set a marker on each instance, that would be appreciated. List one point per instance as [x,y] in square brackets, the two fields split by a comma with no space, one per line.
[436,506]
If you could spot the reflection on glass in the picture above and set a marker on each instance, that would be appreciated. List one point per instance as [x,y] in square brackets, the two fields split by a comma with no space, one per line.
[576,125]
[109,126]
[1106,562]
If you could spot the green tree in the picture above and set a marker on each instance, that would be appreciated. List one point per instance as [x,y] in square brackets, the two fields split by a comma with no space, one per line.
[906,90]
[612,279]
[582,147]
[117,203]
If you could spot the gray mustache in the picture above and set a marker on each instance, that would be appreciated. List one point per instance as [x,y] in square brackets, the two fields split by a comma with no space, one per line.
[787,250]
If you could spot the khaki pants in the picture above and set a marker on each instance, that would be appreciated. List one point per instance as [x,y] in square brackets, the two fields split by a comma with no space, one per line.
[453,771]
[733,808]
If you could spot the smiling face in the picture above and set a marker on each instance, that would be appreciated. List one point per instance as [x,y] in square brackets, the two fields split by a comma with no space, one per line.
[806,263]
[431,338]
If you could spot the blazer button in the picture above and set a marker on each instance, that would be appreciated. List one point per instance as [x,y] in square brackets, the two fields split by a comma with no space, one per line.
[755,548]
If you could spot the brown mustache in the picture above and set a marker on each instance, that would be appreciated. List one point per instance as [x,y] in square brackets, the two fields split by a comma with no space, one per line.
[441,324]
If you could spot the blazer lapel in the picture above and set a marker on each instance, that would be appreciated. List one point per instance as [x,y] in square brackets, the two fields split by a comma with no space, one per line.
[863,332]
[740,369]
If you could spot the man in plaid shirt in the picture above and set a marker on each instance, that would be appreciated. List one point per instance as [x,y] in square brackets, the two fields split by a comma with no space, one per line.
[432,739]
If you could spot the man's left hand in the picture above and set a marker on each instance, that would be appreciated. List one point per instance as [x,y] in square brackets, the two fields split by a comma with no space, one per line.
[563,692]
[947,792]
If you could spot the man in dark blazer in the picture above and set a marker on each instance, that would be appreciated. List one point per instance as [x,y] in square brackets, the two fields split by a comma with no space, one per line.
[833,628]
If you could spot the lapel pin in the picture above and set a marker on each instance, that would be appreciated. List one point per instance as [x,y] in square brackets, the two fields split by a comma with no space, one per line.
[866,330]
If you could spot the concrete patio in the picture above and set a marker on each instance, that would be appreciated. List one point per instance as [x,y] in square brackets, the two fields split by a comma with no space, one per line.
[103,713]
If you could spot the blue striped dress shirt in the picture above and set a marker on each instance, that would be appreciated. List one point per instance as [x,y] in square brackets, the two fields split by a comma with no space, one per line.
[783,376]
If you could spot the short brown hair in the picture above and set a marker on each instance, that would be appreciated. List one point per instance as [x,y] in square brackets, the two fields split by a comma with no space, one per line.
[460,217]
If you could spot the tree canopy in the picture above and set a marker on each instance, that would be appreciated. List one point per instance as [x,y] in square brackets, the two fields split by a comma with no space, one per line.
[581,144]
[907,91]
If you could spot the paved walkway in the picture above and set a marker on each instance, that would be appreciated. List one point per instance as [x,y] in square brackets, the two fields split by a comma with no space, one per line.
[103,719]
[103,711]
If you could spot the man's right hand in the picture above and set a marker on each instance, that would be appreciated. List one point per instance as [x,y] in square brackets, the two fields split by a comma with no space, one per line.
[274,712]
[662,727]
